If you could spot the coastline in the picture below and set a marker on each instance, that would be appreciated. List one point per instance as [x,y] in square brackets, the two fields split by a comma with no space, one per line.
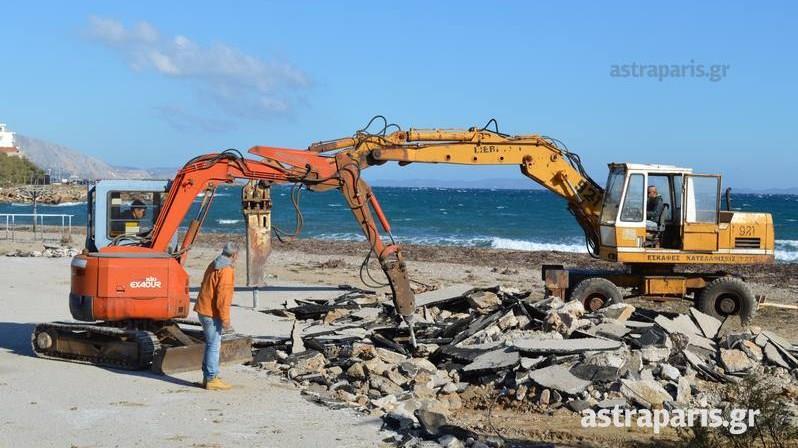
[50,194]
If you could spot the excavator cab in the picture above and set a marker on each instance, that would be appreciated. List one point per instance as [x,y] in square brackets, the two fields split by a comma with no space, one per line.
[626,221]
[122,207]
[691,227]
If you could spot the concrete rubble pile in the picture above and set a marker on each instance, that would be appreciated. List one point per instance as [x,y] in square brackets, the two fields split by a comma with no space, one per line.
[49,251]
[347,352]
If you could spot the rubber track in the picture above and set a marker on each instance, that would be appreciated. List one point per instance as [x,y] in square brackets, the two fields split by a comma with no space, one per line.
[147,341]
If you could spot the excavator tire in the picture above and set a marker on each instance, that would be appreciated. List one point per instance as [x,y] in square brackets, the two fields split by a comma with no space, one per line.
[728,296]
[595,293]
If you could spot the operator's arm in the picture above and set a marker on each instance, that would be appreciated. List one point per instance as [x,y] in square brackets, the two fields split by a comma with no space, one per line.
[224,294]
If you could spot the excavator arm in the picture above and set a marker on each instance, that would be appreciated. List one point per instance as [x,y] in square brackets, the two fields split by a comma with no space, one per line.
[317,172]
[544,160]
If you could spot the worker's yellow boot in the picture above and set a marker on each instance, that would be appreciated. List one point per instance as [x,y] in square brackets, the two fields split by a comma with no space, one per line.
[217,384]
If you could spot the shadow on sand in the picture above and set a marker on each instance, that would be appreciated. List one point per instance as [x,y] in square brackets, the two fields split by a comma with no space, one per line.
[16,338]
[281,288]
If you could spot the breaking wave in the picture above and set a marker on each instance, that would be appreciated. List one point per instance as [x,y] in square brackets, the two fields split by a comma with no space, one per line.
[787,250]
[228,221]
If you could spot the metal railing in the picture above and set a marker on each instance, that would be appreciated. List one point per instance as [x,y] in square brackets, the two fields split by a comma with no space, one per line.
[35,223]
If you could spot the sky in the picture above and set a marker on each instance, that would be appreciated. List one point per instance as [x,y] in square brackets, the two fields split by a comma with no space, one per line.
[152,84]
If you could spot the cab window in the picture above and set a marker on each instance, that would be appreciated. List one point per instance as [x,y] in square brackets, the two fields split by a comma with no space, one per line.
[132,212]
[633,202]
[612,197]
[703,199]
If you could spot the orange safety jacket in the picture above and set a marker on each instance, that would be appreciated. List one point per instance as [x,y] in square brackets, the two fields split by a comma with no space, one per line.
[216,293]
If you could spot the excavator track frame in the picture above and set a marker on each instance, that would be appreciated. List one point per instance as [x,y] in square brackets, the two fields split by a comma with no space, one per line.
[165,348]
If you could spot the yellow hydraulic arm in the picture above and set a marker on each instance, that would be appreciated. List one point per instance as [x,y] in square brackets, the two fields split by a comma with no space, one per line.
[544,160]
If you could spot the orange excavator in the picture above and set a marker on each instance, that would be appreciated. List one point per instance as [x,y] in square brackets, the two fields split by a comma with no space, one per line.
[133,295]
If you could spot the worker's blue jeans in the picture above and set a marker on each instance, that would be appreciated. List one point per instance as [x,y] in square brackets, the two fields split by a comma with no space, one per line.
[212,327]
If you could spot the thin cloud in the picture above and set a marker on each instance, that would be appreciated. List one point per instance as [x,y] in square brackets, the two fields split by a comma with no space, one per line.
[183,120]
[239,84]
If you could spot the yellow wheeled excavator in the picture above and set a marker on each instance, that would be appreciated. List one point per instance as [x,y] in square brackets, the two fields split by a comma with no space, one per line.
[690,229]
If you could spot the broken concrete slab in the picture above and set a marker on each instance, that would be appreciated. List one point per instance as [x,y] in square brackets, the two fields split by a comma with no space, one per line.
[651,337]
[389,356]
[385,385]
[440,296]
[529,363]
[618,311]
[580,405]
[752,350]
[297,345]
[596,374]
[474,326]
[783,346]
[609,330]
[559,378]
[483,302]
[636,324]
[772,354]
[654,354]
[612,403]
[565,346]
[709,325]
[682,324]
[668,372]
[698,363]
[679,324]
[494,360]
[778,340]
[431,421]
[735,361]
[646,393]
[414,365]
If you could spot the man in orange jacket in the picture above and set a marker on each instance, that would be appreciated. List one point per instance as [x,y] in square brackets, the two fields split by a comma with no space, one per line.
[213,308]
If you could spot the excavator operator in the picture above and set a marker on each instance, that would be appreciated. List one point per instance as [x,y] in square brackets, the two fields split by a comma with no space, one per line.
[654,208]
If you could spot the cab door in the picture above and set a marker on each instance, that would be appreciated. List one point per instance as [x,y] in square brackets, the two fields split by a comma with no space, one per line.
[700,211]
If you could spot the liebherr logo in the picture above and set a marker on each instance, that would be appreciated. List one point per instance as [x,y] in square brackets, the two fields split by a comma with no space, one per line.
[149,282]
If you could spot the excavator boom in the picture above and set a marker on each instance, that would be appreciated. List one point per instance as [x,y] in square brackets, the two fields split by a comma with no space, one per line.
[138,289]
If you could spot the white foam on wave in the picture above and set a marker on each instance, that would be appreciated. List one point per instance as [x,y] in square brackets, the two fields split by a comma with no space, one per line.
[786,250]
[228,221]
[62,204]
[507,243]
[66,204]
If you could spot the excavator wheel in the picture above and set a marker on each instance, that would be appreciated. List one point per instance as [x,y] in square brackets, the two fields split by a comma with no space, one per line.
[728,296]
[595,293]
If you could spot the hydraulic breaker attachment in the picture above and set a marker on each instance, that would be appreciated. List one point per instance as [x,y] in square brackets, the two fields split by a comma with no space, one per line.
[404,299]
[256,205]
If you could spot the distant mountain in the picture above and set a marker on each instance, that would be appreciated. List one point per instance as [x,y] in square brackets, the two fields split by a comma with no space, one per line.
[67,162]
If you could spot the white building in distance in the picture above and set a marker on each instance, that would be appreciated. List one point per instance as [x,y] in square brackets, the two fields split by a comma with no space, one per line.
[7,145]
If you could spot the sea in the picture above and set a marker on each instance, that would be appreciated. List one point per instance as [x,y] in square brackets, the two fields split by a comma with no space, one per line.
[498,218]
